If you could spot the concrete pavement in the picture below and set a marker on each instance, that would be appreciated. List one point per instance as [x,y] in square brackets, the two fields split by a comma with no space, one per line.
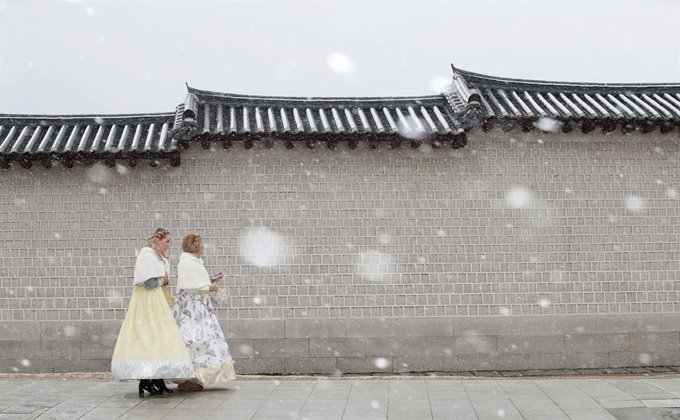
[603,397]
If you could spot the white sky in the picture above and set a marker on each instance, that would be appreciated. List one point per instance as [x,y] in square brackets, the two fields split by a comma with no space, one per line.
[132,56]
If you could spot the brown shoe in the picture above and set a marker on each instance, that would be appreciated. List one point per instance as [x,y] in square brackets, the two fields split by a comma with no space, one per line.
[189,386]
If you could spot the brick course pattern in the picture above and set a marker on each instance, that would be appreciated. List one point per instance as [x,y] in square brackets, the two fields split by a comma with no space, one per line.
[515,226]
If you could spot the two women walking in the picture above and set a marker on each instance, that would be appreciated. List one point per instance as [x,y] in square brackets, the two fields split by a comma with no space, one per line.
[184,344]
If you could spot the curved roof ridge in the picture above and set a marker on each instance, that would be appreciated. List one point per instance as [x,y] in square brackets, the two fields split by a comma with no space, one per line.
[469,75]
[237,96]
[84,116]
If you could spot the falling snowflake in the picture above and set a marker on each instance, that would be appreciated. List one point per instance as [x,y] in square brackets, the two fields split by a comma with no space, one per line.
[382,363]
[263,247]
[374,265]
[439,83]
[98,174]
[70,331]
[340,63]
[518,198]
[548,125]
[635,203]
[121,169]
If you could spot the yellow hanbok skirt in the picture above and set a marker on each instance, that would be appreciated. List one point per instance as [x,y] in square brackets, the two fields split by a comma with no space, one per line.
[149,344]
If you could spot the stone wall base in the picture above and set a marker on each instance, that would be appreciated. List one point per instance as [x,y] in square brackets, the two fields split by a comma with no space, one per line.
[376,345]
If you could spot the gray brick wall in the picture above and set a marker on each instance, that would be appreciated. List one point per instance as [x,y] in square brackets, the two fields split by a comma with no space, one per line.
[349,255]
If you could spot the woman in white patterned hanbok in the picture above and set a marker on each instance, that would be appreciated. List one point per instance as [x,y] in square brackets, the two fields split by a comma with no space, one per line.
[195,316]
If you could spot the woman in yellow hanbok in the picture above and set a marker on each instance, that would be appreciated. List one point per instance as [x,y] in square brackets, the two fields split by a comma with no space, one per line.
[150,347]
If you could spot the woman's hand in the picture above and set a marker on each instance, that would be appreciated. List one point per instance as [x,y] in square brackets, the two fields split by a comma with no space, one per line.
[166,280]
[214,288]
[217,277]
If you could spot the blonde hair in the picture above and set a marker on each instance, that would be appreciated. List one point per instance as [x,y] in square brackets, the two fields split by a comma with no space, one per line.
[192,243]
[152,241]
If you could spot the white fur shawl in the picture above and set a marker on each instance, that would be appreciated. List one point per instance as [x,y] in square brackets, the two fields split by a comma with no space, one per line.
[148,266]
[191,275]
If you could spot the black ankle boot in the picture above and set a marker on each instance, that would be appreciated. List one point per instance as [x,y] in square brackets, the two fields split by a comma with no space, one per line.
[146,385]
[159,385]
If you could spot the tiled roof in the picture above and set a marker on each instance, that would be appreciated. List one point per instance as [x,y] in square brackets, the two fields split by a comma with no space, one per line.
[471,100]
[645,106]
[25,138]
[221,115]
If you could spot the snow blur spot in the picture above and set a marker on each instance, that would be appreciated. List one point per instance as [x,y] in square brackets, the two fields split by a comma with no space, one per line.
[382,363]
[375,405]
[635,203]
[439,83]
[414,129]
[544,303]
[257,300]
[384,239]
[441,232]
[91,11]
[500,412]
[277,383]
[645,358]
[244,349]
[448,352]
[208,196]
[115,298]
[121,169]
[15,369]
[568,191]
[671,193]
[158,216]
[658,150]
[98,173]
[340,63]
[263,247]
[25,362]
[518,198]
[99,120]
[103,190]
[422,260]
[548,125]
[374,265]
[70,331]
[505,311]
[30,288]
[57,235]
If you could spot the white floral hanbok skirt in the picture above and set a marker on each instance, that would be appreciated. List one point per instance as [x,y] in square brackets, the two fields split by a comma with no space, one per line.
[203,337]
